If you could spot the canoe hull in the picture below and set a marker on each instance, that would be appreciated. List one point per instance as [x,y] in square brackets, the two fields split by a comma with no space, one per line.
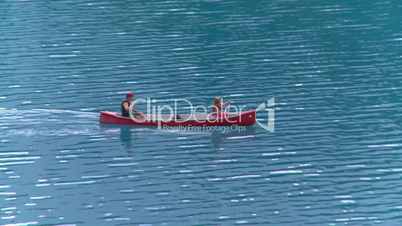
[245,119]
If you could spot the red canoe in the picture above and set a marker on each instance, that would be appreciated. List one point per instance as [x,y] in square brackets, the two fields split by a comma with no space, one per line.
[246,118]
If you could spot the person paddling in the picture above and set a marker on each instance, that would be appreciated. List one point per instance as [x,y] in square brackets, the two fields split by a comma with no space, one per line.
[127,104]
[218,107]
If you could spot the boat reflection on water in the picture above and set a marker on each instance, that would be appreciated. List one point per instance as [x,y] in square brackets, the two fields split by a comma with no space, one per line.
[217,135]
[126,134]
[126,137]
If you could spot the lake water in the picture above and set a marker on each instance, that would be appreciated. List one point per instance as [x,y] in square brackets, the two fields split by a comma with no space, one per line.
[334,69]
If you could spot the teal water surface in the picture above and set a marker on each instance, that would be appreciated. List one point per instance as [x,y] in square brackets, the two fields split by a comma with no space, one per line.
[333,68]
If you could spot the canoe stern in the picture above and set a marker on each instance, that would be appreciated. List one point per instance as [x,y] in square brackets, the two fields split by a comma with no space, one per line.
[247,118]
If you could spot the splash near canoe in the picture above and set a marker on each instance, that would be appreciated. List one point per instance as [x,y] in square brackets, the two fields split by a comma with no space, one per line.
[246,118]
